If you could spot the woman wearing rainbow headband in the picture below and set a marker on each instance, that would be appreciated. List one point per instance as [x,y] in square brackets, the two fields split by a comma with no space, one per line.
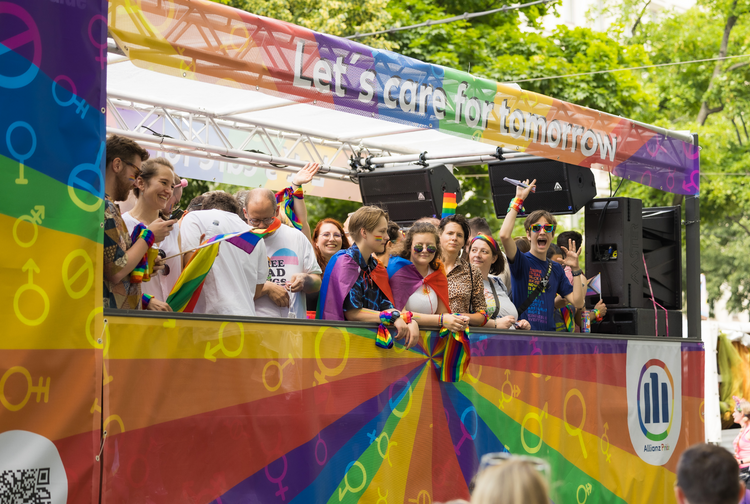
[418,281]
[484,253]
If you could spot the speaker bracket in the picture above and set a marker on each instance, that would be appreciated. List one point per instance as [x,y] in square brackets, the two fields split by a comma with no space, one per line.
[422,161]
[499,154]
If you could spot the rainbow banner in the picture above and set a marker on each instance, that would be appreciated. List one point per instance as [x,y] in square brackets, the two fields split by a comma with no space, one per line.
[243,50]
[449,204]
[230,412]
[52,98]
[187,289]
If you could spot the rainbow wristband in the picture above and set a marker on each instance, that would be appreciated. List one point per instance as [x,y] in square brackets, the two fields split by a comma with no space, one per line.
[407,316]
[140,272]
[486,316]
[383,338]
[389,318]
[145,300]
[598,315]
[516,204]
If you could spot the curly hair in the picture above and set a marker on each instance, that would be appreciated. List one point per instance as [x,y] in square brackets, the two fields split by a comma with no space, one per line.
[421,228]
[456,219]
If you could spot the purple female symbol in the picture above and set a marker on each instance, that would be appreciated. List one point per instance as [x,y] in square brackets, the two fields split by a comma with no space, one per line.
[466,434]
[279,480]
[102,58]
[325,448]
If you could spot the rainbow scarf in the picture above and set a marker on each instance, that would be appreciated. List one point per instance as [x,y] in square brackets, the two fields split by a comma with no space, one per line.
[140,272]
[454,349]
[449,204]
[285,198]
[187,290]
[568,314]
[488,240]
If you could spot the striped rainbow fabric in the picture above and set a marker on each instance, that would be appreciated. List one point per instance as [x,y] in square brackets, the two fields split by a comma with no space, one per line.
[449,204]
[187,290]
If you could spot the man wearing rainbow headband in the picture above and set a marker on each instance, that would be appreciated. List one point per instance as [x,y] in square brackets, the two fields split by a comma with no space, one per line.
[355,285]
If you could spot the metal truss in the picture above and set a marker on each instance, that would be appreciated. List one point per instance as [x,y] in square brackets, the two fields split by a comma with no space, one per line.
[199,131]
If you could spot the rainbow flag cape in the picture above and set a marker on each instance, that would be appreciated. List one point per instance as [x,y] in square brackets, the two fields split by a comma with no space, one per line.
[449,204]
[595,286]
[405,280]
[187,290]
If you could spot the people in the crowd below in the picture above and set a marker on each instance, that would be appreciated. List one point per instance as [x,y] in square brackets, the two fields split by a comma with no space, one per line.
[535,278]
[293,270]
[708,474]
[153,191]
[395,237]
[355,285]
[121,254]
[515,481]
[741,416]
[465,286]
[479,225]
[484,253]
[523,244]
[418,280]
[236,276]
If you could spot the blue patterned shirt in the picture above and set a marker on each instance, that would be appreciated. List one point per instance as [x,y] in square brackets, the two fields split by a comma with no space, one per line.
[365,293]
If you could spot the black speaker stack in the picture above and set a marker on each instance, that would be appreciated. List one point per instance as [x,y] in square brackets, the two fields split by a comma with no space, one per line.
[408,193]
[619,234]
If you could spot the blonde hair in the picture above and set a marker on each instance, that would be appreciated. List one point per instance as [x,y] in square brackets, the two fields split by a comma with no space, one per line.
[367,218]
[512,482]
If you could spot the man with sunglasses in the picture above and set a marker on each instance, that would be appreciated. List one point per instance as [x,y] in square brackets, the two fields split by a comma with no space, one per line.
[292,266]
[536,280]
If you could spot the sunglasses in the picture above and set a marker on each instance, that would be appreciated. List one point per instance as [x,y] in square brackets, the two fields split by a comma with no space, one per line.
[430,248]
[548,228]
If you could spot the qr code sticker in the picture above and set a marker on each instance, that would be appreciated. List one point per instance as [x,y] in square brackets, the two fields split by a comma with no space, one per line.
[25,486]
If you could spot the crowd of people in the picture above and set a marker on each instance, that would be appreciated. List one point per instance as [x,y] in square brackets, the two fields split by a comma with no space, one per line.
[448,272]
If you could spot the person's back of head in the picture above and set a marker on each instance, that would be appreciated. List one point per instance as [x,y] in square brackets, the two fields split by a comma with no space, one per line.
[707,474]
[479,225]
[523,244]
[220,200]
[512,482]
[564,237]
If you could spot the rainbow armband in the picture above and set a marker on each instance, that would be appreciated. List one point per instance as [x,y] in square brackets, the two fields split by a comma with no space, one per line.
[516,204]
[140,272]
[407,316]
[145,300]
[383,338]
[486,316]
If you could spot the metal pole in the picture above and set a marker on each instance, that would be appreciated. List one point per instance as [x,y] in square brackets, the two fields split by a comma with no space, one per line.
[693,261]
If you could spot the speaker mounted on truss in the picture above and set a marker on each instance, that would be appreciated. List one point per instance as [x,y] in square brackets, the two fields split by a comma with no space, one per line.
[408,193]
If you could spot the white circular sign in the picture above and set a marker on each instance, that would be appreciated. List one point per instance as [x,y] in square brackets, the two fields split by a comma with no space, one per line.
[31,469]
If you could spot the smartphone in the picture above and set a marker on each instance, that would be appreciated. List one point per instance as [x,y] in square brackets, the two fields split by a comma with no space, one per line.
[176,214]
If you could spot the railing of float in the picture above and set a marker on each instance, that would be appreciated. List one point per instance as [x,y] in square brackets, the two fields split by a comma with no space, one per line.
[243,409]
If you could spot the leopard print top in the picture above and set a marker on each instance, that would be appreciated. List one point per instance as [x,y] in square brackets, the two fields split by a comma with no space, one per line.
[461,290]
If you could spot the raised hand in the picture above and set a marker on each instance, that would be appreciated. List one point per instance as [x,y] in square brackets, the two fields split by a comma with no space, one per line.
[523,192]
[571,255]
[306,174]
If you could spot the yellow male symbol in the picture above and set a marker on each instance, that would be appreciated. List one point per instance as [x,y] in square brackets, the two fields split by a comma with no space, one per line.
[281,372]
[35,218]
[587,489]
[605,451]
[538,417]
[388,445]
[31,268]
[515,391]
[209,353]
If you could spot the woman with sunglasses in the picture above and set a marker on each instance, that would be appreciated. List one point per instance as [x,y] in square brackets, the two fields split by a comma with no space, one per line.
[484,253]
[536,280]
[741,443]
[418,280]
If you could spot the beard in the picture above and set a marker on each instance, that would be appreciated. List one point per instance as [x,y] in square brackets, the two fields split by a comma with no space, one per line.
[123,187]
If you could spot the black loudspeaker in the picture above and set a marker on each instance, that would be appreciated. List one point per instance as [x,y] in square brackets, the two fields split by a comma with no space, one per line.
[408,194]
[614,248]
[639,322]
[662,246]
[560,188]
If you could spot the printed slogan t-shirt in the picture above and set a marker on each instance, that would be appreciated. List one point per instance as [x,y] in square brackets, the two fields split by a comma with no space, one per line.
[527,272]
[289,252]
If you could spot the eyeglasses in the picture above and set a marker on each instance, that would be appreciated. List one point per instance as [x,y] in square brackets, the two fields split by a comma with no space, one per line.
[548,228]
[261,222]
[327,236]
[137,170]
[497,458]
[430,248]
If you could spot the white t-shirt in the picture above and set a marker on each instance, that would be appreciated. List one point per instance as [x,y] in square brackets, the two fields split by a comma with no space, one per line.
[289,252]
[423,300]
[230,286]
[161,285]
[506,305]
